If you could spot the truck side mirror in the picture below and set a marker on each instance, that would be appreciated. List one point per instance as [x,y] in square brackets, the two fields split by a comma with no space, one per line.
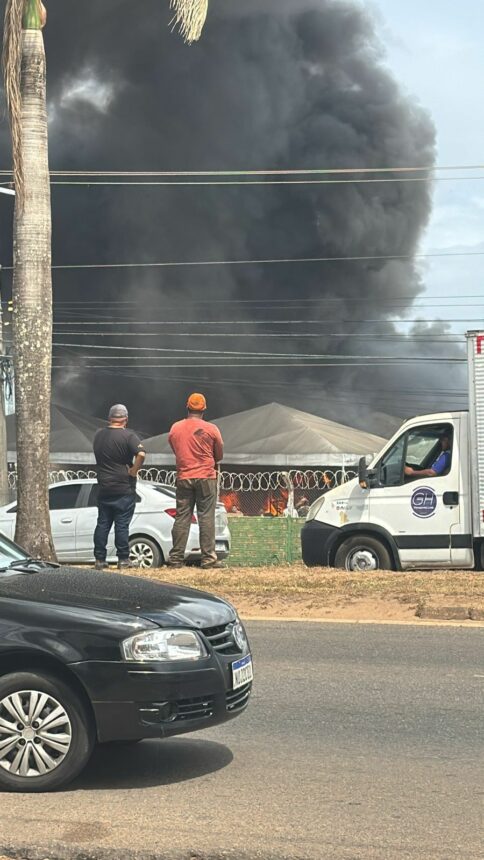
[363,477]
[367,478]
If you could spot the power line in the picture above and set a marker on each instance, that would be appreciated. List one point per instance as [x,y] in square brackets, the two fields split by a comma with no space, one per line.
[268,261]
[110,319]
[321,322]
[245,353]
[263,172]
[385,363]
[64,320]
[91,315]
[131,303]
[441,339]
[382,403]
[399,297]
[423,394]
[213,183]
[391,392]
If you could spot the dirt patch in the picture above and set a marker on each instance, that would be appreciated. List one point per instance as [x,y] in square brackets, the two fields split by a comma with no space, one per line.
[297,591]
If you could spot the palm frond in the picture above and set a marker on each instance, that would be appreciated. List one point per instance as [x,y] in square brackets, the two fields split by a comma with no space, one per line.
[189,17]
[12,57]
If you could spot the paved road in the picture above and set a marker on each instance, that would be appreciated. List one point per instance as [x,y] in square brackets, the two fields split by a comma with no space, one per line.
[360,742]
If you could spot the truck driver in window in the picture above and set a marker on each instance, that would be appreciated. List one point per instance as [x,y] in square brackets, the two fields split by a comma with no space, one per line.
[439,467]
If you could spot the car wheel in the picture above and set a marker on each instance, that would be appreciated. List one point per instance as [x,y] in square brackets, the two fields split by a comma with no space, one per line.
[144,553]
[362,554]
[46,735]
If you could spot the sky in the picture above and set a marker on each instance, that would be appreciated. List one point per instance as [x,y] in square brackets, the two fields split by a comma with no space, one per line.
[434,49]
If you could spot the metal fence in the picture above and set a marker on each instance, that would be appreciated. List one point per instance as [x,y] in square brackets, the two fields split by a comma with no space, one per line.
[269,494]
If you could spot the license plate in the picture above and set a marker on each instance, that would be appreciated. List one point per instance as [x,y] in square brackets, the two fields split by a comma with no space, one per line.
[242,672]
[220,546]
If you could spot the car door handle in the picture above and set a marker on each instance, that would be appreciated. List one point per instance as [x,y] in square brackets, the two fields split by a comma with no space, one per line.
[450,499]
[66,520]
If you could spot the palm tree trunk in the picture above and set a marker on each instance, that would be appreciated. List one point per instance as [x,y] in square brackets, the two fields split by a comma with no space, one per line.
[32,282]
[4,488]
[32,303]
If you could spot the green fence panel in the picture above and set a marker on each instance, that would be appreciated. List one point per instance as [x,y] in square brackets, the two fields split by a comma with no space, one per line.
[263,541]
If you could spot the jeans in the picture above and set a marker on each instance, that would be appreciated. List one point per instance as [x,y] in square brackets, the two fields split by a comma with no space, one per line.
[118,510]
[201,492]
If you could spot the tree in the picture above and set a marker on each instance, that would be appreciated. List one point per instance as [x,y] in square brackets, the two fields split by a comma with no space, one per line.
[24,74]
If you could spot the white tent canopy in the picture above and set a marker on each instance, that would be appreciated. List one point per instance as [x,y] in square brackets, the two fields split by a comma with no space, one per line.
[71,436]
[276,435]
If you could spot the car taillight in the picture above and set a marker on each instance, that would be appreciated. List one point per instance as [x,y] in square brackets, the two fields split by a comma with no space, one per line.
[172,513]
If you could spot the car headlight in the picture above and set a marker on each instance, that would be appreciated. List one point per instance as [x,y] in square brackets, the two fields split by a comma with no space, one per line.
[315,509]
[240,636]
[163,645]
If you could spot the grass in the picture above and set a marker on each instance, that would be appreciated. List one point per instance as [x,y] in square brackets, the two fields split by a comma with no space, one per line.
[298,582]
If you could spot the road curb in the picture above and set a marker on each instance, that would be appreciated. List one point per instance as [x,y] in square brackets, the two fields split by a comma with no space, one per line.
[414,622]
[450,613]
[69,852]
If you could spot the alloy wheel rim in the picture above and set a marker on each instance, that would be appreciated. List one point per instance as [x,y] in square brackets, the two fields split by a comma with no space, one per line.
[362,560]
[141,555]
[35,733]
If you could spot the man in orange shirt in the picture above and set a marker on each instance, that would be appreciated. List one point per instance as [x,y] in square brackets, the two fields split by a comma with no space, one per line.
[198,449]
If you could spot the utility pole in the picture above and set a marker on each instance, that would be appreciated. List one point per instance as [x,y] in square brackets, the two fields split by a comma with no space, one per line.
[5,367]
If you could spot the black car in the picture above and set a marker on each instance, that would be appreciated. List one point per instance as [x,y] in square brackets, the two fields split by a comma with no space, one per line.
[89,657]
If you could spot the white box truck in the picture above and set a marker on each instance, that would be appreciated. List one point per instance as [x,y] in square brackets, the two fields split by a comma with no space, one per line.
[419,503]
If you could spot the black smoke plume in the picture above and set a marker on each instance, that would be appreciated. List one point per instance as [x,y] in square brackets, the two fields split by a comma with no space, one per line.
[270,85]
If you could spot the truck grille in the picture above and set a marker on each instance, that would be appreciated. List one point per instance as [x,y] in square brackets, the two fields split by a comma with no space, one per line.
[221,639]
[237,699]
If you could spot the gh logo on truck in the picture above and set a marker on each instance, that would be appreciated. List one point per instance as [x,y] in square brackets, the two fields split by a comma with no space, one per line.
[424,502]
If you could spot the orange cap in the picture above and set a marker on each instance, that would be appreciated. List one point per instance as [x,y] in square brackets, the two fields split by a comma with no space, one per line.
[196,403]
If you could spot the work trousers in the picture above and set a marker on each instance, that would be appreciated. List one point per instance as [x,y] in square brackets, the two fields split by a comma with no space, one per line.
[201,492]
[118,510]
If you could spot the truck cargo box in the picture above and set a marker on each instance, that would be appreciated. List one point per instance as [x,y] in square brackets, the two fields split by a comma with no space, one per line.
[475,354]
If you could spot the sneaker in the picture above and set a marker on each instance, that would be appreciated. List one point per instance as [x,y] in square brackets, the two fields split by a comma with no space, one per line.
[175,564]
[213,565]
[100,565]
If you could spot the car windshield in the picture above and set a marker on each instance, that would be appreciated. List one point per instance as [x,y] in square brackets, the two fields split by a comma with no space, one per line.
[10,552]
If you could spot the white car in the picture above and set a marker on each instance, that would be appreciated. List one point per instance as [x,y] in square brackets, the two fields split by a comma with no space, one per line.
[73,516]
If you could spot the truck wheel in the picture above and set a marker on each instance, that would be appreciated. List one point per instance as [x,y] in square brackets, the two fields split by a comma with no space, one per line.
[144,553]
[362,554]
[46,736]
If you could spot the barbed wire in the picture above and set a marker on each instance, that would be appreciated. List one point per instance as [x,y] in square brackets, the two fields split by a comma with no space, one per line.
[57,475]
[248,482]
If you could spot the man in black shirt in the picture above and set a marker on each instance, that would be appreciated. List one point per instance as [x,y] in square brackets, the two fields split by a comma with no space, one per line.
[119,456]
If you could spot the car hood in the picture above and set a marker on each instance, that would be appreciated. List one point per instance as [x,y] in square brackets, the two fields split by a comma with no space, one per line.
[163,603]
